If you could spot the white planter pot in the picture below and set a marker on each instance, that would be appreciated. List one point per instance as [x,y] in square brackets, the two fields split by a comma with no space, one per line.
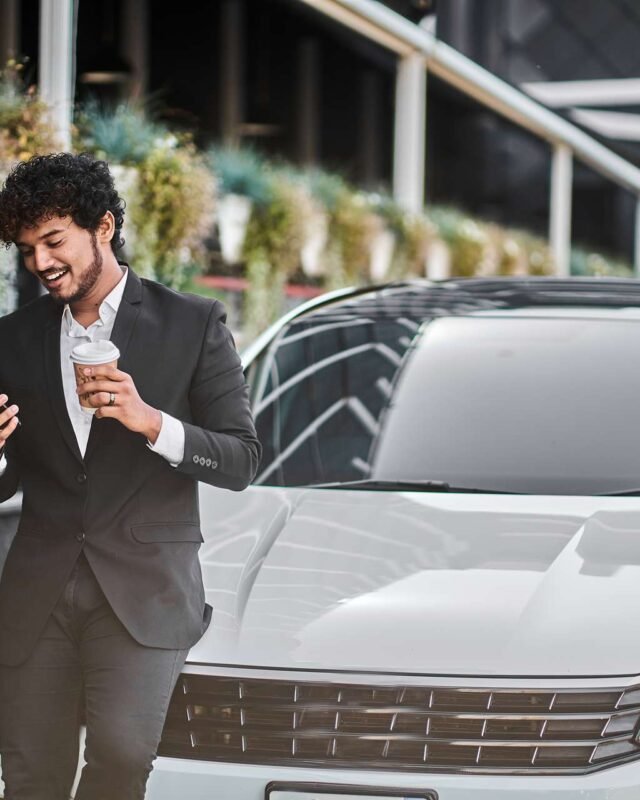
[382,247]
[316,237]
[127,182]
[233,214]
[438,261]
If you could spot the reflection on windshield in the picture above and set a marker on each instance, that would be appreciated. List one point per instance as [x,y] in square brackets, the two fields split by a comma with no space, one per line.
[516,403]
[325,390]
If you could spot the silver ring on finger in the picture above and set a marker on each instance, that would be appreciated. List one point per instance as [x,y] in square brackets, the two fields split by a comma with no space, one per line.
[112,399]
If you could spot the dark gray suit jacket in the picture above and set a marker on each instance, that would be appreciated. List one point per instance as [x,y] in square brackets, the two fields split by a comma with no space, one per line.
[134,515]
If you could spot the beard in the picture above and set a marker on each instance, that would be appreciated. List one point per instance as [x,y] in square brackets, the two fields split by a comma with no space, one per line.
[89,277]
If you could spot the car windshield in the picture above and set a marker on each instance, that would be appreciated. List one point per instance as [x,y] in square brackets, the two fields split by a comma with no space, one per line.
[532,403]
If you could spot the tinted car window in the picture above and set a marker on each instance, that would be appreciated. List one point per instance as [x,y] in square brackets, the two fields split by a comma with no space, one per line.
[516,403]
[325,388]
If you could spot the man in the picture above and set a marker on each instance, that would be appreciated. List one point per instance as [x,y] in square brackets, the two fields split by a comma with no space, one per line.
[101,595]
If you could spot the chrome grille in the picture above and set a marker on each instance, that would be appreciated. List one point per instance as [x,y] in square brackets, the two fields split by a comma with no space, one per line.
[257,721]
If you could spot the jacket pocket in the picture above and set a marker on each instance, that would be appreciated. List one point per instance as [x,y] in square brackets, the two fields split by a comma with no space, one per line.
[167,532]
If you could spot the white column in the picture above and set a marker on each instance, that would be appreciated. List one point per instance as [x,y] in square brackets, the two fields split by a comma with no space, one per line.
[560,208]
[410,132]
[56,63]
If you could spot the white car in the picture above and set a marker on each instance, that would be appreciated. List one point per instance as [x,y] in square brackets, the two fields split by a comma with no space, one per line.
[432,590]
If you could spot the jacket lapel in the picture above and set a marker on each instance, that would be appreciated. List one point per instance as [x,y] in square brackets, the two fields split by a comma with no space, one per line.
[127,317]
[53,373]
[123,328]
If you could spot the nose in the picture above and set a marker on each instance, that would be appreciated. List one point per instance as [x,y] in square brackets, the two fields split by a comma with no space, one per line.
[42,259]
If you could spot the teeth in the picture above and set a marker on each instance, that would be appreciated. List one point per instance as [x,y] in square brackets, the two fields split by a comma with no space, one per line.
[55,275]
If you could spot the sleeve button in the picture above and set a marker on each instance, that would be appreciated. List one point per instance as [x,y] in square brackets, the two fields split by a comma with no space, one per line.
[208,462]
[195,459]
[214,465]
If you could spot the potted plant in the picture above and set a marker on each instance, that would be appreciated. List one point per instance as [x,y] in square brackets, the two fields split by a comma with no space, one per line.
[124,136]
[319,255]
[387,222]
[274,236]
[243,184]
[174,211]
[401,249]
[538,256]
[25,127]
[466,239]
[315,236]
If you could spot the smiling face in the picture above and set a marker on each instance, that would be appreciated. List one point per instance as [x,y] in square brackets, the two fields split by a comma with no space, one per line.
[67,259]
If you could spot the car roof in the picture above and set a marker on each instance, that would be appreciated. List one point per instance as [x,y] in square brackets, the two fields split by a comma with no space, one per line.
[422,298]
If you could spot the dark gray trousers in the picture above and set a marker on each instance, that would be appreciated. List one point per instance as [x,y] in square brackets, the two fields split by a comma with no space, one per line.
[84,655]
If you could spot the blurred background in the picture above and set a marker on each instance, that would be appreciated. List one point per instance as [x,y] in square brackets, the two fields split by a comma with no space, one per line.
[271,150]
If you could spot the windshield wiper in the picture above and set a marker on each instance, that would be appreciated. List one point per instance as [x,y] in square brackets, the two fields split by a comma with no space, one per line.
[407,486]
[623,493]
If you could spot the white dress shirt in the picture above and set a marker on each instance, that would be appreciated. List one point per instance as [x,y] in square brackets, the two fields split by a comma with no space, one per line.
[170,441]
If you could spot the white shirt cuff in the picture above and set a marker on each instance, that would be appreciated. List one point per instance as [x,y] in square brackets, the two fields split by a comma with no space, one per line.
[3,464]
[170,441]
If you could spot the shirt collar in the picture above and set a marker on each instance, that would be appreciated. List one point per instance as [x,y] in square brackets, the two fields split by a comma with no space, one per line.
[107,311]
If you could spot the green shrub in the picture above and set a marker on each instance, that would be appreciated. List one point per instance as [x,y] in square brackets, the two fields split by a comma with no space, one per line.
[172,213]
[124,134]
[241,171]
[271,250]
[25,127]
[466,238]
[539,258]
[586,263]
[412,232]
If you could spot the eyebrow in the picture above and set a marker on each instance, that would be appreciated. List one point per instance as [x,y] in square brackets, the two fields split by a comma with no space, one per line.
[54,232]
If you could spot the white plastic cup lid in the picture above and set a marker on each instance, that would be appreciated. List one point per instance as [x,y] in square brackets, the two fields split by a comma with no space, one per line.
[102,352]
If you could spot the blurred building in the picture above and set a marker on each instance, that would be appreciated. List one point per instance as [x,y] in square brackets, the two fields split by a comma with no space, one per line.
[283,77]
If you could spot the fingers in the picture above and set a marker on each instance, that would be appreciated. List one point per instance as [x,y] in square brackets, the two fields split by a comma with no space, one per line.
[7,430]
[8,419]
[106,371]
[100,398]
[100,386]
[104,411]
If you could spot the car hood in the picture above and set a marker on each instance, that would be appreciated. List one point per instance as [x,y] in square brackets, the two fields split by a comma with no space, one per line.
[431,584]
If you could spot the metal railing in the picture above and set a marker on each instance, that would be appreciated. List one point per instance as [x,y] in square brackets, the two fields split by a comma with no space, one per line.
[380,24]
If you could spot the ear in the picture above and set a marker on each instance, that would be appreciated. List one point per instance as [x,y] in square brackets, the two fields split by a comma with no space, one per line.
[106,228]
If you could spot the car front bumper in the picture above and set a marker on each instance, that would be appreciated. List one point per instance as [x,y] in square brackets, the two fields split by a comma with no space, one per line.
[184,779]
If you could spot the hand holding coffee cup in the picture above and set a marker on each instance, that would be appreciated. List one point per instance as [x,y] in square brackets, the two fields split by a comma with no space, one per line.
[108,392]
[97,355]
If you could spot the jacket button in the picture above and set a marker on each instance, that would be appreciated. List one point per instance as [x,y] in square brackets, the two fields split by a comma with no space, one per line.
[81,477]
[80,537]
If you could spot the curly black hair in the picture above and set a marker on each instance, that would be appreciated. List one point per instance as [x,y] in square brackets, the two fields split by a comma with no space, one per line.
[61,184]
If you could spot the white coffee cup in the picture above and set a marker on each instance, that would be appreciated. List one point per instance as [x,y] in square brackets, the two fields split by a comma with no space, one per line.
[92,354]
